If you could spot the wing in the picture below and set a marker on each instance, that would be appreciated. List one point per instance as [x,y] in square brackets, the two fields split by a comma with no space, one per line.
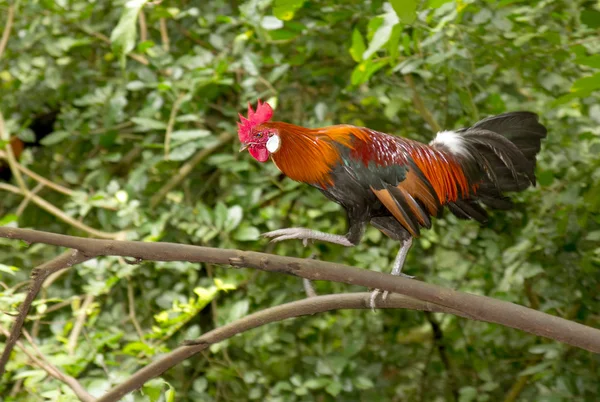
[414,181]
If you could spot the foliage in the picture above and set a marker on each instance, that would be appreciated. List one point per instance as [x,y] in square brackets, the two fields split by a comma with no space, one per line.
[144,88]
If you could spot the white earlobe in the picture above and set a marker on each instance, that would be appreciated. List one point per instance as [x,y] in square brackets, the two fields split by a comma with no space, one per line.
[273,144]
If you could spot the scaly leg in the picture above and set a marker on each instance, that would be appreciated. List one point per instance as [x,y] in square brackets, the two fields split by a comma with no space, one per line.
[305,235]
[396,270]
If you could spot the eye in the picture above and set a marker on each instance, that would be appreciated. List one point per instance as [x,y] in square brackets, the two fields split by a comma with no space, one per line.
[259,135]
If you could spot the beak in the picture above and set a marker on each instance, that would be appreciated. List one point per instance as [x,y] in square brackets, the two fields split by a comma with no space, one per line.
[244,147]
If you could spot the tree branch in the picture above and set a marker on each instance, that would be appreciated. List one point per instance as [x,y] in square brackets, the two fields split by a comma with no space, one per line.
[52,370]
[474,306]
[311,305]
[42,203]
[7,27]
[38,276]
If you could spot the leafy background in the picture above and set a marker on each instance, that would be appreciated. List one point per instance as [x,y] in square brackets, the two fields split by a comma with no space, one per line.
[146,96]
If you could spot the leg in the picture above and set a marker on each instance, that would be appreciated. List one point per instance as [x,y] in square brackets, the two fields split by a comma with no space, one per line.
[396,270]
[307,234]
[356,229]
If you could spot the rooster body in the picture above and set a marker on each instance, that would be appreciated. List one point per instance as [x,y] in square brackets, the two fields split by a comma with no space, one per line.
[394,183]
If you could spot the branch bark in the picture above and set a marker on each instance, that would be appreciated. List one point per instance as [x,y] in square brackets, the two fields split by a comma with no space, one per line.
[480,308]
[311,305]
[416,295]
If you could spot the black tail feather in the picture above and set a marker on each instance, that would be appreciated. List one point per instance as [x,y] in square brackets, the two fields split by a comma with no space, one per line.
[499,155]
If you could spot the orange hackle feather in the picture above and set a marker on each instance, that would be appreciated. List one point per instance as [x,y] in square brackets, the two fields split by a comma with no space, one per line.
[307,155]
[441,170]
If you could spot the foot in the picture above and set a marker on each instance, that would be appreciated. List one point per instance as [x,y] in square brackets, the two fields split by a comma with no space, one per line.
[376,292]
[305,235]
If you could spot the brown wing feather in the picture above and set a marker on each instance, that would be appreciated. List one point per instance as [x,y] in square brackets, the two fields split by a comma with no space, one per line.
[411,202]
[390,202]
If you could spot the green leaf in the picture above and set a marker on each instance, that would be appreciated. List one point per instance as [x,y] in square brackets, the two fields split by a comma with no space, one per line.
[188,135]
[234,217]
[122,37]
[593,236]
[590,61]
[238,310]
[8,218]
[247,233]
[591,18]
[55,138]
[406,10]
[590,83]
[285,9]
[317,383]
[271,23]
[334,388]
[363,383]
[183,152]
[437,3]
[380,38]
[147,124]
[358,46]
[8,269]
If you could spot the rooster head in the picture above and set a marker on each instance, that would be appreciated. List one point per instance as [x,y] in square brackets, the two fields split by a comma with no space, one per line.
[255,136]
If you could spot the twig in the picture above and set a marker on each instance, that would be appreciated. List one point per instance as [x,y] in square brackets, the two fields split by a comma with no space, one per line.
[440,344]
[45,182]
[420,105]
[132,315]
[477,307]
[60,214]
[299,308]
[171,123]
[52,370]
[81,316]
[38,276]
[187,167]
[10,15]
[25,202]
[143,27]
[164,34]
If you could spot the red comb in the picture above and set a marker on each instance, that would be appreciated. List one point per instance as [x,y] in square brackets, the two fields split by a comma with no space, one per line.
[262,115]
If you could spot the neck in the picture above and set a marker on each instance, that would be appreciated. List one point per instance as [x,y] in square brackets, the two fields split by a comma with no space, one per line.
[308,155]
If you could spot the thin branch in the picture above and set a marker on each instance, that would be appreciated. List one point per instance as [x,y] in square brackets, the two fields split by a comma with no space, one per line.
[171,123]
[420,105]
[440,344]
[143,27]
[27,199]
[187,168]
[38,276]
[132,315]
[81,316]
[164,34]
[477,307]
[42,203]
[48,183]
[41,361]
[10,16]
[309,306]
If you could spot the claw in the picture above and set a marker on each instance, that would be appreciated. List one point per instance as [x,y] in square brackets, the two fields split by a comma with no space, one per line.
[372,299]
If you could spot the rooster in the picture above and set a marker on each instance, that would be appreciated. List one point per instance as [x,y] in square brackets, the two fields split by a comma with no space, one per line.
[397,184]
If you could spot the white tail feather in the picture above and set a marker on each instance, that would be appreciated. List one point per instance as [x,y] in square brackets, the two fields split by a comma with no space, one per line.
[451,140]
